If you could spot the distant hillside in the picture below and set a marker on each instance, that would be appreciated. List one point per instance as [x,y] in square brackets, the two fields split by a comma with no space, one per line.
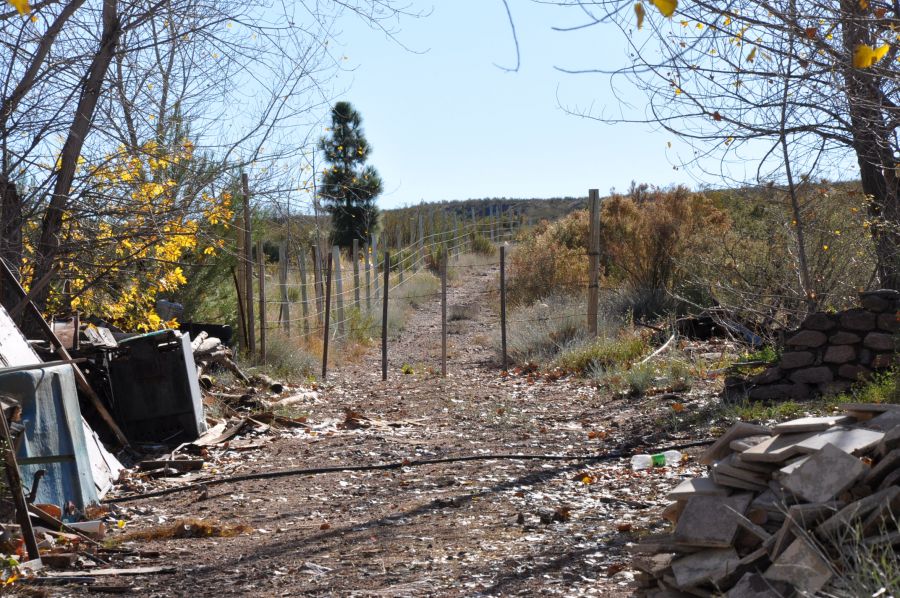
[533,209]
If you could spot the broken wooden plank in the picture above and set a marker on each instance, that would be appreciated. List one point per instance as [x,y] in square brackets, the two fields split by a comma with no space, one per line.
[116,572]
[182,465]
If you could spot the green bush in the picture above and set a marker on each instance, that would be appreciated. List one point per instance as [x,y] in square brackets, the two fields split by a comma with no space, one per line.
[619,351]
[287,360]
[481,245]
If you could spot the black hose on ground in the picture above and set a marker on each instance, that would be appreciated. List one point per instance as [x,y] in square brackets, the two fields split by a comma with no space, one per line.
[265,475]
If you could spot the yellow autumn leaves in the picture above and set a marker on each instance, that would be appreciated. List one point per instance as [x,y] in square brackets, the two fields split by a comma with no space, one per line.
[666,7]
[21,6]
[865,56]
[144,235]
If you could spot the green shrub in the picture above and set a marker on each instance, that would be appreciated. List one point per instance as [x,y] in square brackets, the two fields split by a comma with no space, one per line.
[287,360]
[602,352]
[481,245]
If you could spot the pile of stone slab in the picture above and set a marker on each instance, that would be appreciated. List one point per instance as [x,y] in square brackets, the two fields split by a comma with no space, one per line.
[777,507]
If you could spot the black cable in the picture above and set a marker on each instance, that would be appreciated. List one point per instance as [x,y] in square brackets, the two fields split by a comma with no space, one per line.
[608,456]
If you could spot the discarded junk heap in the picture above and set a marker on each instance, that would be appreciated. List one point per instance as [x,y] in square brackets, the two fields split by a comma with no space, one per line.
[69,384]
[780,508]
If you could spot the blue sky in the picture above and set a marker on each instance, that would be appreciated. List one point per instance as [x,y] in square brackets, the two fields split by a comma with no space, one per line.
[449,124]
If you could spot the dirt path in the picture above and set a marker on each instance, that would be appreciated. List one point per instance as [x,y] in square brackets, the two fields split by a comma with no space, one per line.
[497,527]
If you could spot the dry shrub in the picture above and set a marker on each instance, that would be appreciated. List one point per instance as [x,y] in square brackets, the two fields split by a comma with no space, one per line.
[755,270]
[653,237]
[551,260]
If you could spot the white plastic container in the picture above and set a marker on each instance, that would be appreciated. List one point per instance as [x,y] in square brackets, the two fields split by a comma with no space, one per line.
[666,459]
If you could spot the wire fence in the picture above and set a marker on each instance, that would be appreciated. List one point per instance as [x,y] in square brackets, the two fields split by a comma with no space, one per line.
[333,295]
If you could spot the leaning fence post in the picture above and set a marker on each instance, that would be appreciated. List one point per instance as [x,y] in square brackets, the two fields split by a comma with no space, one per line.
[444,315]
[13,477]
[325,331]
[240,305]
[384,314]
[594,255]
[261,266]
[503,306]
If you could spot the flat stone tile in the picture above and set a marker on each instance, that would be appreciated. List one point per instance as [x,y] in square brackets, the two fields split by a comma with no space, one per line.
[854,441]
[883,422]
[754,585]
[742,444]
[824,475]
[769,502]
[728,467]
[710,521]
[883,518]
[697,486]
[811,424]
[885,465]
[732,482]
[655,564]
[721,447]
[704,566]
[803,566]
[844,519]
[777,449]
[791,467]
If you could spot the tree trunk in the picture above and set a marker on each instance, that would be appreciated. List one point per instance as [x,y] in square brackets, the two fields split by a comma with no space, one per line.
[872,142]
[48,245]
[10,225]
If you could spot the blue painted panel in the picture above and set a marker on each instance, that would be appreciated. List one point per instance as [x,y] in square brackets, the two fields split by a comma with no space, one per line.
[54,436]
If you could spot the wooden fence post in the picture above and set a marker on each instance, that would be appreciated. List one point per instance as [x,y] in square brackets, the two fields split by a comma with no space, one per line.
[338,286]
[594,255]
[240,278]
[318,285]
[367,262]
[421,261]
[261,267]
[375,264]
[248,264]
[444,314]
[240,305]
[304,295]
[356,273]
[325,331]
[285,312]
[384,314]
[503,306]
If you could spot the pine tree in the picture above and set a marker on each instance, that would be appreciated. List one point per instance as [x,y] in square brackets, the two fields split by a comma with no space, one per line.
[349,187]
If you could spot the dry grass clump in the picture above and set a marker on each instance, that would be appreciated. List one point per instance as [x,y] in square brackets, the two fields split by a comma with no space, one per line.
[187,528]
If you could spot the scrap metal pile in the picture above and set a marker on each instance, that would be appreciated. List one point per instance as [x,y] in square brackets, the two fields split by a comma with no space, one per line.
[780,508]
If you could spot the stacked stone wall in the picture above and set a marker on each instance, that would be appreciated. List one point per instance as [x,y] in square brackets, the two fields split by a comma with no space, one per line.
[831,351]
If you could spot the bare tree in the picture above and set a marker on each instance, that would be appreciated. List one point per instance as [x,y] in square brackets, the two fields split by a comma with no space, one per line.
[85,83]
[812,84]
